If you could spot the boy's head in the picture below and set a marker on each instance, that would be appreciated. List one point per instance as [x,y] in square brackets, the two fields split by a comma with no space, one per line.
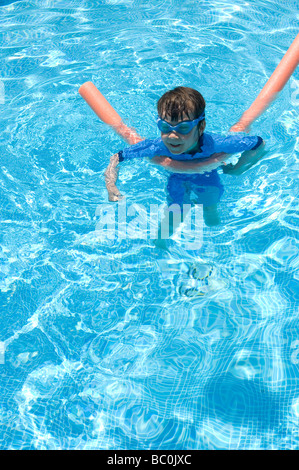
[180,101]
[179,105]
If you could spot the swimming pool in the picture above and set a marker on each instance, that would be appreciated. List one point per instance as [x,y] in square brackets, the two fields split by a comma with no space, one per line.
[107,343]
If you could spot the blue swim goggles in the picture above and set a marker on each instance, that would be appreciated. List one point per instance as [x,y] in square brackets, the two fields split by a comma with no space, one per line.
[183,127]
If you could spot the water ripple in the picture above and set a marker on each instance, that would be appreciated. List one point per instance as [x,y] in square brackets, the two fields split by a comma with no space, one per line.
[108,343]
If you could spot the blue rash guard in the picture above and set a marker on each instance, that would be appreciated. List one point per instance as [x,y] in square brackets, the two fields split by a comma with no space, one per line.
[207,187]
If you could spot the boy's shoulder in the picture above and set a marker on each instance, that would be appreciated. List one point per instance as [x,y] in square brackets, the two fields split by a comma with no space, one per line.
[232,143]
[145,148]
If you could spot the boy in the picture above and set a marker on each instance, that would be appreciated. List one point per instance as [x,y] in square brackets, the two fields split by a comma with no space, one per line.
[191,155]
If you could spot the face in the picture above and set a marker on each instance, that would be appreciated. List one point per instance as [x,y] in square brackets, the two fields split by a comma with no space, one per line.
[179,143]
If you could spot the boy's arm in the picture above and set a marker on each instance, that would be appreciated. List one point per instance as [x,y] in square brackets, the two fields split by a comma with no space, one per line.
[247,160]
[198,165]
[111,177]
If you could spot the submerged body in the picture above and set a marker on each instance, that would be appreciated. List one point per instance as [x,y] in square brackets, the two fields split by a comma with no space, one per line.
[181,184]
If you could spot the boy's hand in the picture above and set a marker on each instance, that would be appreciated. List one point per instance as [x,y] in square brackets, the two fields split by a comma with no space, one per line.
[163,161]
[115,195]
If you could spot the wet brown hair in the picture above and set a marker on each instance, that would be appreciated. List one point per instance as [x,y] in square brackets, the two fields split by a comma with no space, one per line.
[179,101]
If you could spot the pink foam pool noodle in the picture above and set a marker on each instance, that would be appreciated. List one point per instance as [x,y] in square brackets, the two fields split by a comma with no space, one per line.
[273,86]
[107,113]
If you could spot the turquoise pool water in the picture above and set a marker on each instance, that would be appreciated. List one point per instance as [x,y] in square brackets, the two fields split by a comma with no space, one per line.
[110,343]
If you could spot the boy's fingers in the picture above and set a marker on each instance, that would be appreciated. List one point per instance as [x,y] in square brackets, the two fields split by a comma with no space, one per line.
[115,197]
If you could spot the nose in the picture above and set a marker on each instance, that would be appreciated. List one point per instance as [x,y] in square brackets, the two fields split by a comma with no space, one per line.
[173,135]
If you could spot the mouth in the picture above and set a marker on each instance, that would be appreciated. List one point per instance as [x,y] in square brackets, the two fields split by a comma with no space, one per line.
[173,146]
